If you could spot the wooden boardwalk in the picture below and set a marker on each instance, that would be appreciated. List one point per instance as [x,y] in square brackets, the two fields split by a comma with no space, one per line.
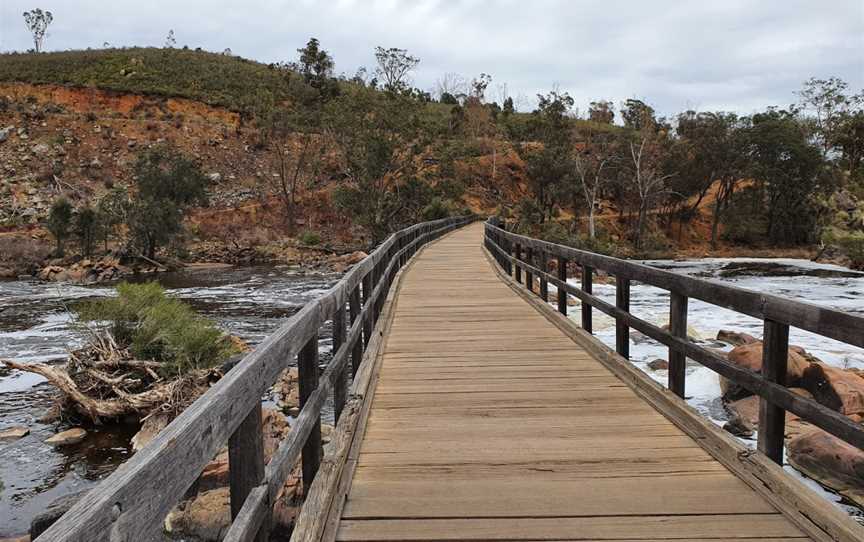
[488,423]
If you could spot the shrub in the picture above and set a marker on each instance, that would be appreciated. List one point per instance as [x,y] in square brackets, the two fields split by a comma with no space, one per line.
[155,327]
[310,238]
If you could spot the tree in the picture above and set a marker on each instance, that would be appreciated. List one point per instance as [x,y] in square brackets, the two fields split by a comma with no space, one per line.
[602,112]
[167,184]
[508,107]
[827,99]
[788,167]
[59,222]
[316,67]
[377,139]
[37,22]
[111,212]
[170,40]
[637,114]
[479,86]
[85,229]
[593,159]
[647,178]
[394,67]
[717,154]
[549,163]
[450,87]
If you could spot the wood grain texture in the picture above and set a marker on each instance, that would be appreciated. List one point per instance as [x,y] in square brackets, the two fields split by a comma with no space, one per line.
[488,423]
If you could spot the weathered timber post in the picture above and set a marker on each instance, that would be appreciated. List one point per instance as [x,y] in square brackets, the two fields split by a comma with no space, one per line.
[367,312]
[678,328]
[357,347]
[307,366]
[562,293]
[588,288]
[542,263]
[517,252]
[622,330]
[246,465]
[529,277]
[340,388]
[772,419]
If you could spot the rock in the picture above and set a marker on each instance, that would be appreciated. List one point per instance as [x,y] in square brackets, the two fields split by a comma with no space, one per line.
[830,461]
[40,149]
[149,429]
[25,538]
[326,433]
[13,433]
[5,133]
[835,388]
[749,356]
[68,437]
[658,365]
[745,412]
[214,177]
[735,338]
[132,143]
[739,427]
[52,513]
[95,163]
[7,273]
[206,517]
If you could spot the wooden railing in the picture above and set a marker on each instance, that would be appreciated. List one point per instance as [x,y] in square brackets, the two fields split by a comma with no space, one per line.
[524,257]
[131,504]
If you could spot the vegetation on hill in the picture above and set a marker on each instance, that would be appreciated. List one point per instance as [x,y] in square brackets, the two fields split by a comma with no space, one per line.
[213,78]
[386,154]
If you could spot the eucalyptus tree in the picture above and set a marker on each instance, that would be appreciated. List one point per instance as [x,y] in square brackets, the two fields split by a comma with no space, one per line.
[37,22]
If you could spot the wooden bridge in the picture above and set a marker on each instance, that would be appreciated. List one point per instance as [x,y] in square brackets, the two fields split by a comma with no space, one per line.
[475,410]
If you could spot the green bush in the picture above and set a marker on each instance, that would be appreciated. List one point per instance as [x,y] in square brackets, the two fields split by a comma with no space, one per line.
[310,238]
[158,328]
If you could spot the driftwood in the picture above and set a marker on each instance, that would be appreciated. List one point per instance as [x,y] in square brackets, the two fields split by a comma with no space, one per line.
[168,395]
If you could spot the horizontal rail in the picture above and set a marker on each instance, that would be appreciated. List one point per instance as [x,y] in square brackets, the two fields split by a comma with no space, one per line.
[132,502]
[506,247]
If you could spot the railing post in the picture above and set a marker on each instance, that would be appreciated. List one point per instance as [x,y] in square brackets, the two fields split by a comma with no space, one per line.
[340,388]
[542,263]
[357,347]
[509,246]
[562,293]
[307,367]
[678,328]
[588,288]
[622,331]
[529,277]
[366,314]
[772,419]
[517,252]
[246,465]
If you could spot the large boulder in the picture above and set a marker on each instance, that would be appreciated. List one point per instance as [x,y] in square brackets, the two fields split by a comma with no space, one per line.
[830,461]
[749,356]
[745,416]
[735,338]
[835,388]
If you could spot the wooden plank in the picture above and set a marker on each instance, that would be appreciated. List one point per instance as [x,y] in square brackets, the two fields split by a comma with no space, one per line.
[246,465]
[772,419]
[307,364]
[611,527]
[678,328]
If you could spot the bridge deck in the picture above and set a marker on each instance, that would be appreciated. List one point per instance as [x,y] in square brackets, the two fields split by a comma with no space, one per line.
[489,424]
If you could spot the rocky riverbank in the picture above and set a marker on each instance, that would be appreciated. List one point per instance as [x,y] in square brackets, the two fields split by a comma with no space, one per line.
[812,451]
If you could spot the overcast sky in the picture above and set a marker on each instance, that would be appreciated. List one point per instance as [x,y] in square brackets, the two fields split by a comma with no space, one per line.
[738,55]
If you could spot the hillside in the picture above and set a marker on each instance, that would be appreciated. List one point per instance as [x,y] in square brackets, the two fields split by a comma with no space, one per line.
[212,78]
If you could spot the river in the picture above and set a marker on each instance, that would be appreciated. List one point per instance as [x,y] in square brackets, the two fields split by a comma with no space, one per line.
[251,302]
[36,326]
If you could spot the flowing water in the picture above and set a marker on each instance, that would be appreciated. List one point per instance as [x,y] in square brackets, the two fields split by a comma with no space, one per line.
[36,326]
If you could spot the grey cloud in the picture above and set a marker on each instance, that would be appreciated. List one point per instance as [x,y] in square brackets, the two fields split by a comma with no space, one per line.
[736,55]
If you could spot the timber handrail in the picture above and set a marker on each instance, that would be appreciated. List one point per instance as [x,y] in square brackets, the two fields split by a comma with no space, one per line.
[518,255]
[131,504]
